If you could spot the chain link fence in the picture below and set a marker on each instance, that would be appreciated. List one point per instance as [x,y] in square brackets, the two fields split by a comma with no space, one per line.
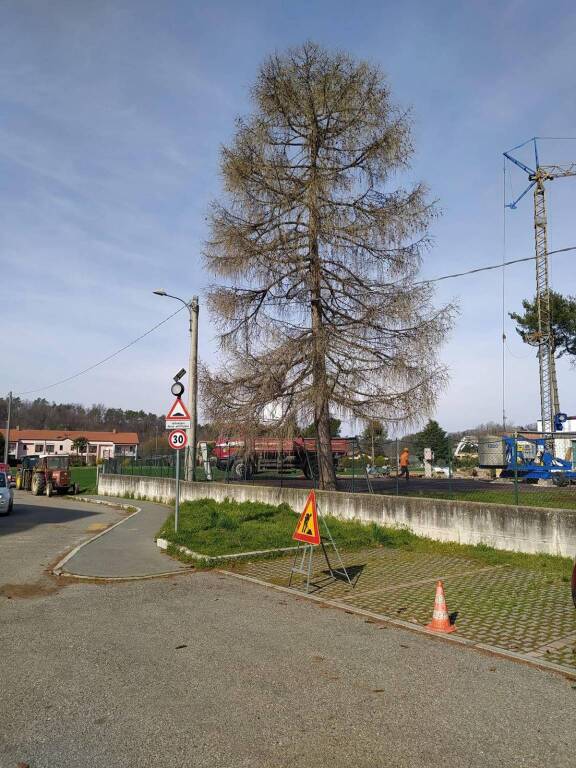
[528,469]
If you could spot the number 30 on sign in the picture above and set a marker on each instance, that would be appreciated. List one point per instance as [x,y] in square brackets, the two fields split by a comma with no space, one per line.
[177,439]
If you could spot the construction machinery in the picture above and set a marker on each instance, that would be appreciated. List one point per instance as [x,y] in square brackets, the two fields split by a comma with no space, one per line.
[526,459]
[47,474]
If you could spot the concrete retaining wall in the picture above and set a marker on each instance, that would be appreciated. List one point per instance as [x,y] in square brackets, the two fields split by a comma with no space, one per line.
[522,529]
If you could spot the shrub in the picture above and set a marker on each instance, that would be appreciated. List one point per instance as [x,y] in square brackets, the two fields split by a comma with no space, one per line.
[465,462]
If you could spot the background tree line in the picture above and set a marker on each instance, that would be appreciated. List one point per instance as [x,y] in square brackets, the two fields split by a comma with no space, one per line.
[43,414]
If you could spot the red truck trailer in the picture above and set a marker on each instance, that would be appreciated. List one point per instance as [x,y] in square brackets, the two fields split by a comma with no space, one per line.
[244,457]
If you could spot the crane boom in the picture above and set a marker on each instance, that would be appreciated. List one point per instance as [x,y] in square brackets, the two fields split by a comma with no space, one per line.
[559,171]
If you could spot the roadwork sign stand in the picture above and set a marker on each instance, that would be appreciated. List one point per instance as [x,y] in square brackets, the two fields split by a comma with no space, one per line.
[308,534]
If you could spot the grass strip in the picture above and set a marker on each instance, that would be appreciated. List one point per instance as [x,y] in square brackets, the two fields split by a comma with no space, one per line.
[229,527]
[85,477]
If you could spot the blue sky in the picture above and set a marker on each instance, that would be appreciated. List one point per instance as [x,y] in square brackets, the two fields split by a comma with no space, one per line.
[113,114]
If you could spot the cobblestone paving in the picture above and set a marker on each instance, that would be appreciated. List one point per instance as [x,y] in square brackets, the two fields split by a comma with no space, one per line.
[519,610]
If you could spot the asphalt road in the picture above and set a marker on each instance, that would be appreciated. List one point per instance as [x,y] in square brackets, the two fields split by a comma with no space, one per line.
[40,530]
[205,670]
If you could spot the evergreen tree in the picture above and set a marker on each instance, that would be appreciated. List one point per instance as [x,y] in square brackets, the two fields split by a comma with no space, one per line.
[433,436]
[335,424]
[563,318]
[373,437]
[80,445]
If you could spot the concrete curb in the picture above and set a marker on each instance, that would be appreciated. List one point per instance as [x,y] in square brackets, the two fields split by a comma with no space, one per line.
[163,544]
[493,650]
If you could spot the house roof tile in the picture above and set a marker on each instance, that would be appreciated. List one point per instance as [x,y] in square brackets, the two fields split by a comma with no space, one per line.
[119,438]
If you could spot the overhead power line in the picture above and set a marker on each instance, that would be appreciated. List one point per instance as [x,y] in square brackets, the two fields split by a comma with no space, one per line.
[151,330]
[105,359]
[491,266]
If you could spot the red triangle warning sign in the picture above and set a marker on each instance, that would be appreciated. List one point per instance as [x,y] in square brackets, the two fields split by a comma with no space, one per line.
[178,411]
[307,529]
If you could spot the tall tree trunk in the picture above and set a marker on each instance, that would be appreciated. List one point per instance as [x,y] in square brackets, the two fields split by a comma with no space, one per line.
[326,469]
[327,473]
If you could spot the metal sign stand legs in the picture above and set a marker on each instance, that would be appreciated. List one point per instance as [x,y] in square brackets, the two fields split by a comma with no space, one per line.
[306,555]
[307,551]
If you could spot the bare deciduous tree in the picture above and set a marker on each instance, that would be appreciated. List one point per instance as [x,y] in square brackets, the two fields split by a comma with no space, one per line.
[319,256]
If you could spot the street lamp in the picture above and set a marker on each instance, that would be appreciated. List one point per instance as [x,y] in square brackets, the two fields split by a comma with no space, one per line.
[193,309]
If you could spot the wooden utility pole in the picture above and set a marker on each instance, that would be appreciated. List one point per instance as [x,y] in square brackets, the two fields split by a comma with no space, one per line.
[7,440]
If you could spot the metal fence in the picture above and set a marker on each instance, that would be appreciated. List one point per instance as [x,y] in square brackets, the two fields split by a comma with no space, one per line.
[523,469]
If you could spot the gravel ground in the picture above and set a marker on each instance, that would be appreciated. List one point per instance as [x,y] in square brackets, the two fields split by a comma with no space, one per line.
[205,670]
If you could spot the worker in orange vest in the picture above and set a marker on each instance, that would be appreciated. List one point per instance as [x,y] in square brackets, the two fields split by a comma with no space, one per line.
[404,462]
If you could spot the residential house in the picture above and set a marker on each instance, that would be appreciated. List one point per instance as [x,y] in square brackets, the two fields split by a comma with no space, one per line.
[101,445]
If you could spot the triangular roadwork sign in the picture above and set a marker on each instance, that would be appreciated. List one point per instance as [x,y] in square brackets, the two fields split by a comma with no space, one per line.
[307,529]
[178,411]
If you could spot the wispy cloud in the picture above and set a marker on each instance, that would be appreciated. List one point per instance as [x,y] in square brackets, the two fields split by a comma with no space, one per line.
[112,117]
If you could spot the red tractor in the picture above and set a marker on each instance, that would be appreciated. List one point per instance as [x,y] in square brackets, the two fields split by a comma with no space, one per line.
[47,474]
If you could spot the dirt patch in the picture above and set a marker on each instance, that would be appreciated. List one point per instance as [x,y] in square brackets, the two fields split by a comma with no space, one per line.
[97,527]
[26,591]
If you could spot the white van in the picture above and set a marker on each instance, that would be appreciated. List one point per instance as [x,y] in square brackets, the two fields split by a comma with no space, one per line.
[6,495]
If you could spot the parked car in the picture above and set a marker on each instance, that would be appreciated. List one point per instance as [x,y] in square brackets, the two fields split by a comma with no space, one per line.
[6,494]
[8,469]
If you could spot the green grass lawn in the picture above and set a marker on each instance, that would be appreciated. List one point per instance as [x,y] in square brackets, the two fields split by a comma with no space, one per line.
[157,470]
[86,478]
[220,528]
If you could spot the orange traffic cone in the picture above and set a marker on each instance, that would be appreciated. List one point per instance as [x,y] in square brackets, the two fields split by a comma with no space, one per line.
[440,621]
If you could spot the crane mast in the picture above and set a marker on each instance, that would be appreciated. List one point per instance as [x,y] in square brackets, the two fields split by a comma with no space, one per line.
[549,401]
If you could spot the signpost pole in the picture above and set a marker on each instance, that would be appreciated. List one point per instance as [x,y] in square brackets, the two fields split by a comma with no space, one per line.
[192,390]
[177,499]
[7,436]
[178,419]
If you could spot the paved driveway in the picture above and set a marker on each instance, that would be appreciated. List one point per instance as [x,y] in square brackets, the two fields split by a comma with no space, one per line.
[204,670]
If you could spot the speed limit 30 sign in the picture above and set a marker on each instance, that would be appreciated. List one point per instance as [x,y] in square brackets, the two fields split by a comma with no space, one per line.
[177,439]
